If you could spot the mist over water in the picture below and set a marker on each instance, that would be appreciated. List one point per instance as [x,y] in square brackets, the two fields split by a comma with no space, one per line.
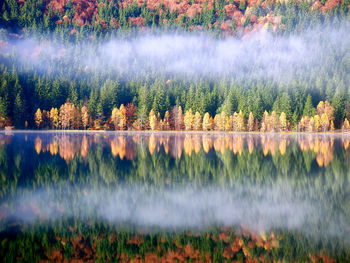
[257,208]
[260,55]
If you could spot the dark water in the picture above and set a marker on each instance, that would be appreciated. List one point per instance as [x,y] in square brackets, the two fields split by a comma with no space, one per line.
[294,185]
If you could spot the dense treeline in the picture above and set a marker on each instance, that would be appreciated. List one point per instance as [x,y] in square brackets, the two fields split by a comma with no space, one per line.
[125,118]
[34,101]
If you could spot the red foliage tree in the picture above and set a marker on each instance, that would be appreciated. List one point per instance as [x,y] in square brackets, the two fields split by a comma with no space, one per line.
[130,113]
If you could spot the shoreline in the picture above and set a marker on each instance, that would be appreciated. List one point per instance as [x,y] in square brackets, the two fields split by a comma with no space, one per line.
[30,131]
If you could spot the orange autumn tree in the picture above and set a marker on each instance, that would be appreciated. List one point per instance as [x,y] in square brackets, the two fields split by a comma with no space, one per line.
[178,118]
[130,115]
[66,115]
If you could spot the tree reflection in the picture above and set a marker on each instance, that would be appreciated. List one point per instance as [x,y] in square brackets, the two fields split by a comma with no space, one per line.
[125,145]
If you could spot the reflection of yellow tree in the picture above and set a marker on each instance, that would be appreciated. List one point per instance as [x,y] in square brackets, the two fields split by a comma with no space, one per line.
[346,143]
[250,143]
[268,144]
[237,144]
[152,143]
[53,147]
[207,143]
[219,144]
[67,149]
[282,146]
[118,145]
[188,147]
[38,144]
[197,143]
[323,148]
[84,147]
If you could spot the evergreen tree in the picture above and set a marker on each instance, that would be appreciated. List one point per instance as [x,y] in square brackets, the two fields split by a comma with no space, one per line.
[309,109]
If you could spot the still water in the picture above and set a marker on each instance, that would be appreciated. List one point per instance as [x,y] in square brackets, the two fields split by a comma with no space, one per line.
[296,185]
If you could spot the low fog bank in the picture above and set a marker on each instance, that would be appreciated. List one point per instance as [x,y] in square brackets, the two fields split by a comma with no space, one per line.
[257,208]
[260,55]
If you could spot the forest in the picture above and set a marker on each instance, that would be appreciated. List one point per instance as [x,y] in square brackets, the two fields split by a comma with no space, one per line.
[243,68]
[39,90]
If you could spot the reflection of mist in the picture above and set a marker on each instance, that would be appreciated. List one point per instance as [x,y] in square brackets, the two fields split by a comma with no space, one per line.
[258,208]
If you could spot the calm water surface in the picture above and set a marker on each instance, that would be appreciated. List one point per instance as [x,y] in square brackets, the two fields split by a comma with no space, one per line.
[295,185]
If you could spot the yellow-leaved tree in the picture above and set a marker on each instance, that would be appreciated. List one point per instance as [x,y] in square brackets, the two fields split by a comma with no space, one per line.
[240,121]
[283,122]
[152,120]
[38,118]
[166,121]
[265,122]
[122,117]
[197,124]
[317,123]
[346,125]
[85,117]
[54,120]
[207,124]
[114,117]
[188,120]
[251,122]
[325,123]
[272,124]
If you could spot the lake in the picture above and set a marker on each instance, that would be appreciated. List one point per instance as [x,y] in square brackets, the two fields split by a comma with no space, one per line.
[106,196]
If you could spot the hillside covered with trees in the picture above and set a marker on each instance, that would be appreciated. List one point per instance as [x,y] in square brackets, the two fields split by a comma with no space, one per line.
[39,90]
